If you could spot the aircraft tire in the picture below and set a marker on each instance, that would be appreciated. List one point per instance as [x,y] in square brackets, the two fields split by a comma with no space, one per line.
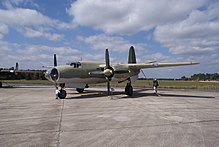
[80,90]
[129,90]
[62,94]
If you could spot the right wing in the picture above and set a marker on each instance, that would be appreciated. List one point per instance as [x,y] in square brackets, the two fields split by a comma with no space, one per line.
[157,65]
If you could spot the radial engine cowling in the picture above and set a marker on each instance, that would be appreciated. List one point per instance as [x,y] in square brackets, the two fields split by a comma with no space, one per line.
[52,75]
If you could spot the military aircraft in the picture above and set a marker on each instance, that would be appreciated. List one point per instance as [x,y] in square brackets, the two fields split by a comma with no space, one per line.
[80,74]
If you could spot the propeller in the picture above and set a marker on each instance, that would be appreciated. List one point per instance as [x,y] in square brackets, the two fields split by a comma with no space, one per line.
[108,71]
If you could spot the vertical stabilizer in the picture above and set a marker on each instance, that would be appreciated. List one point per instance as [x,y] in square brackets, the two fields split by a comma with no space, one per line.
[16,66]
[131,57]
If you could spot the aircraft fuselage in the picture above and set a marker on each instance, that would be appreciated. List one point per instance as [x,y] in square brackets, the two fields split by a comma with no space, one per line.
[81,73]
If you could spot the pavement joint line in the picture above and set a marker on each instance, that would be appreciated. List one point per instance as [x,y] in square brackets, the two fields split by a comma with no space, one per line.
[60,123]
[28,132]
[30,118]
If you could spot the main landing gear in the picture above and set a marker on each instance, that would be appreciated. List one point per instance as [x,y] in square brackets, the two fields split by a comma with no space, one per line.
[129,88]
[80,90]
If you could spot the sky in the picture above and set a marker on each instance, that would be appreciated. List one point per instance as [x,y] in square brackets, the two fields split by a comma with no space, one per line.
[31,31]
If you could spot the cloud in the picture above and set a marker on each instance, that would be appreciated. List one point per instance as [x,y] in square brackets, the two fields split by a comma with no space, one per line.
[41,33]
[184,27]
[31,23]
[118,47]
[35,56]
[3,30]
[114,43]
[4,48]
[40,49]
[197,34]
[131,16]
[11,3]
[28,17]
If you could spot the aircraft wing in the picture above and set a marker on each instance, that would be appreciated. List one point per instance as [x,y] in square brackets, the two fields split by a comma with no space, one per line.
[157,65]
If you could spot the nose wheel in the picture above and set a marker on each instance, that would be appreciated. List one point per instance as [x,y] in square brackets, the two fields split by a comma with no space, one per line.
[62,94]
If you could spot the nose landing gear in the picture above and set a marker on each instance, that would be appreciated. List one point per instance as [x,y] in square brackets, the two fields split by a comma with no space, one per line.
[62,94]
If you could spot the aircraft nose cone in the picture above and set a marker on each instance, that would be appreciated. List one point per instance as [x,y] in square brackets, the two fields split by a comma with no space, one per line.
[52,75]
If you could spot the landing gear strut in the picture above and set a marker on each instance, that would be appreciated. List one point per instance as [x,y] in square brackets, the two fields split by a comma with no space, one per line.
[129,88]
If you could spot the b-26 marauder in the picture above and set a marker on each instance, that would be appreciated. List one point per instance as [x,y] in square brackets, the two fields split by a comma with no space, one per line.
[80,74]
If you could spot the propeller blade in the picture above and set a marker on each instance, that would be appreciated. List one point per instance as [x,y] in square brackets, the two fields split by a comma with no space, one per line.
[107,59]
[108,71]
[55,60]
[108,87]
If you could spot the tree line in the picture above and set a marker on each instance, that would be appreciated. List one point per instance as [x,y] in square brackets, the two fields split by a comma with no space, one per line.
[202,77]
[24,75]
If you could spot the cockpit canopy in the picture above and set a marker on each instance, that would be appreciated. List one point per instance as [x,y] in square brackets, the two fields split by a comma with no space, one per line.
[74,64]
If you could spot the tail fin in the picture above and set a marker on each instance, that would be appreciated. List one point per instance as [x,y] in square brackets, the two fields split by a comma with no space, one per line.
[16,66]
[132,57]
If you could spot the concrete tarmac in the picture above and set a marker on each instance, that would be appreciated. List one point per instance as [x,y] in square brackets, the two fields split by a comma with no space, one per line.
[178,118]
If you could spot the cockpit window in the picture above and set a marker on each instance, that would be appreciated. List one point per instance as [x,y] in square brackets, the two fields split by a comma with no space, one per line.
[75,64]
